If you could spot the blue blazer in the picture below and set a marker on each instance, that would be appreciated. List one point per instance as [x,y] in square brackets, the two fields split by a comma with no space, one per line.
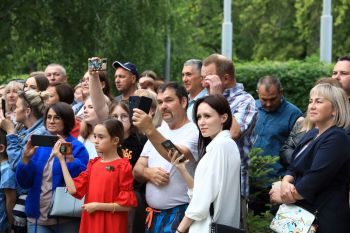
[321,176]
[29,176]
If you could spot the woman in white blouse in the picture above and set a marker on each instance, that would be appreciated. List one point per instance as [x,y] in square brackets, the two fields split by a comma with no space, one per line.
[217,176]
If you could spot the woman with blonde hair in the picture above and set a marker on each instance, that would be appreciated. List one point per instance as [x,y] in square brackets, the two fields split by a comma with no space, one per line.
[300,128]
[95,111]
[154,111]
[30,108]
[11,95]
[318,177]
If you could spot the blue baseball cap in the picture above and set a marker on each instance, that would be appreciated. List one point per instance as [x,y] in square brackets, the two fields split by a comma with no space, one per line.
[126,66]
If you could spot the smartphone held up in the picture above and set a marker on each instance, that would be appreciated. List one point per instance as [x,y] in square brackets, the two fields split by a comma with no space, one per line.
[141,102]
[66,148]
[97,64]
[3,107]
[50,141]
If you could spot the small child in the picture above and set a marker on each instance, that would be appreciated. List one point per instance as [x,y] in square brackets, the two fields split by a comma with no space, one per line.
[8,193]
[107,184]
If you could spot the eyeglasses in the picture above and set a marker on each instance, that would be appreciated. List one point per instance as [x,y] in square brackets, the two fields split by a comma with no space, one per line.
[55,118]
[122,117]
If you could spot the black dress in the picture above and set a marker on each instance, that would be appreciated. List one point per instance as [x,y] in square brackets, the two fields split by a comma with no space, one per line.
[321,175]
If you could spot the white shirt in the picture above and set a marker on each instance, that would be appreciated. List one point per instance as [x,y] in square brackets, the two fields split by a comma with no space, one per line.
[175,192]
[217,179]
[90,147]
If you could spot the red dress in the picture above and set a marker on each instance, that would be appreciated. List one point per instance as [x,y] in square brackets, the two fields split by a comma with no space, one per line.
[106,182]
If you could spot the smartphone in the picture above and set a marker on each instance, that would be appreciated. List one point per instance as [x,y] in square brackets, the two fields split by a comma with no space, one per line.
[3,106]
[66,148]
[169,145]
[141,102]
[44,140]
[97,64]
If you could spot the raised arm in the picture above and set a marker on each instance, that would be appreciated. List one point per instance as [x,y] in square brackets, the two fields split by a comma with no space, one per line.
[66,175]
[97,96]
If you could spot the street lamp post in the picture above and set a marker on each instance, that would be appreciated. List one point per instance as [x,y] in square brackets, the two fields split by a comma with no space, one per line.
[326,32]
[226,37]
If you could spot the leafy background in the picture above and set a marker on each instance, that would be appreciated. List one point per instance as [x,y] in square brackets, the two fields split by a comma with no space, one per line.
[35,33]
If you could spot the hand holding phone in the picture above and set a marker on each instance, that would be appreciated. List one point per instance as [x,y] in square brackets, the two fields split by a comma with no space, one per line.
[141,102]
[66,148]
[28,152]
[169,146]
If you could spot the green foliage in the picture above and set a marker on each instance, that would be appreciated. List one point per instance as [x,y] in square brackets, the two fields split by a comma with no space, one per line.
[297,77]
[36,33]
[259,171]
[259,223]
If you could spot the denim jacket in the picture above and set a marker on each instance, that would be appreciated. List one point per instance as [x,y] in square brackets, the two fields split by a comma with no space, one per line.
[17,142]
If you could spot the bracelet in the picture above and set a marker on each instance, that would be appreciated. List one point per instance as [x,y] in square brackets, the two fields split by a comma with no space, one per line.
[179,231]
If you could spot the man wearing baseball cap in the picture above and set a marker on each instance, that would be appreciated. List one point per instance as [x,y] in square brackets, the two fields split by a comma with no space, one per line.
[126,78]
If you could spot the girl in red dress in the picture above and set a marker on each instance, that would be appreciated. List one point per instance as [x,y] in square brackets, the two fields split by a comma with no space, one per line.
[107,183]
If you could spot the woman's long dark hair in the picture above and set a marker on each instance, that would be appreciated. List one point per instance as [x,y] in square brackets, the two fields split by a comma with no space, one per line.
[221,106]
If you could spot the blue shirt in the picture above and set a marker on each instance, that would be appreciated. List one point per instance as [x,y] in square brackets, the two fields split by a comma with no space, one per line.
[17,142]
[7,181]
[29,176]
[191,103]
[272,128]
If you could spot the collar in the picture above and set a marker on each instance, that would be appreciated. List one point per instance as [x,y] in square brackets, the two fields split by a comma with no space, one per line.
[222,134]
[277,110]
[234,90]
[37,124]
[201,94]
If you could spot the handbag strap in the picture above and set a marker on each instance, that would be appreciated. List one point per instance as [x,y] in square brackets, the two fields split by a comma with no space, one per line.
[211,210]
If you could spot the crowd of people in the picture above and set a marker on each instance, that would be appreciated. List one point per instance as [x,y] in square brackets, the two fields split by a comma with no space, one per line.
[131,182]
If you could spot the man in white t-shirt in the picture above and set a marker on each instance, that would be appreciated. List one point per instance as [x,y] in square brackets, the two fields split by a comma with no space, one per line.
[166,191]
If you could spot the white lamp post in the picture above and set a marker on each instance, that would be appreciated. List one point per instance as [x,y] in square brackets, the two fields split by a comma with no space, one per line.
[226,37]
[326,32]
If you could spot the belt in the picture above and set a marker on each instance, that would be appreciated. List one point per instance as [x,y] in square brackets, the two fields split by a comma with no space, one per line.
[150,216]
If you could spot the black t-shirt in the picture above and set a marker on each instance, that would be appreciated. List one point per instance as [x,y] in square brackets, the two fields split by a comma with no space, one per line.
[132,147]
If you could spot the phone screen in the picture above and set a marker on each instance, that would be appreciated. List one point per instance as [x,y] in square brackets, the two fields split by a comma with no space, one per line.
[44,140]
[66,148]
[141,102]
[97,64]
[3,106]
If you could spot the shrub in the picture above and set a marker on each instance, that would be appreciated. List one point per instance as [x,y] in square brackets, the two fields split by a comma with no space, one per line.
[297,77]
[259,176]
